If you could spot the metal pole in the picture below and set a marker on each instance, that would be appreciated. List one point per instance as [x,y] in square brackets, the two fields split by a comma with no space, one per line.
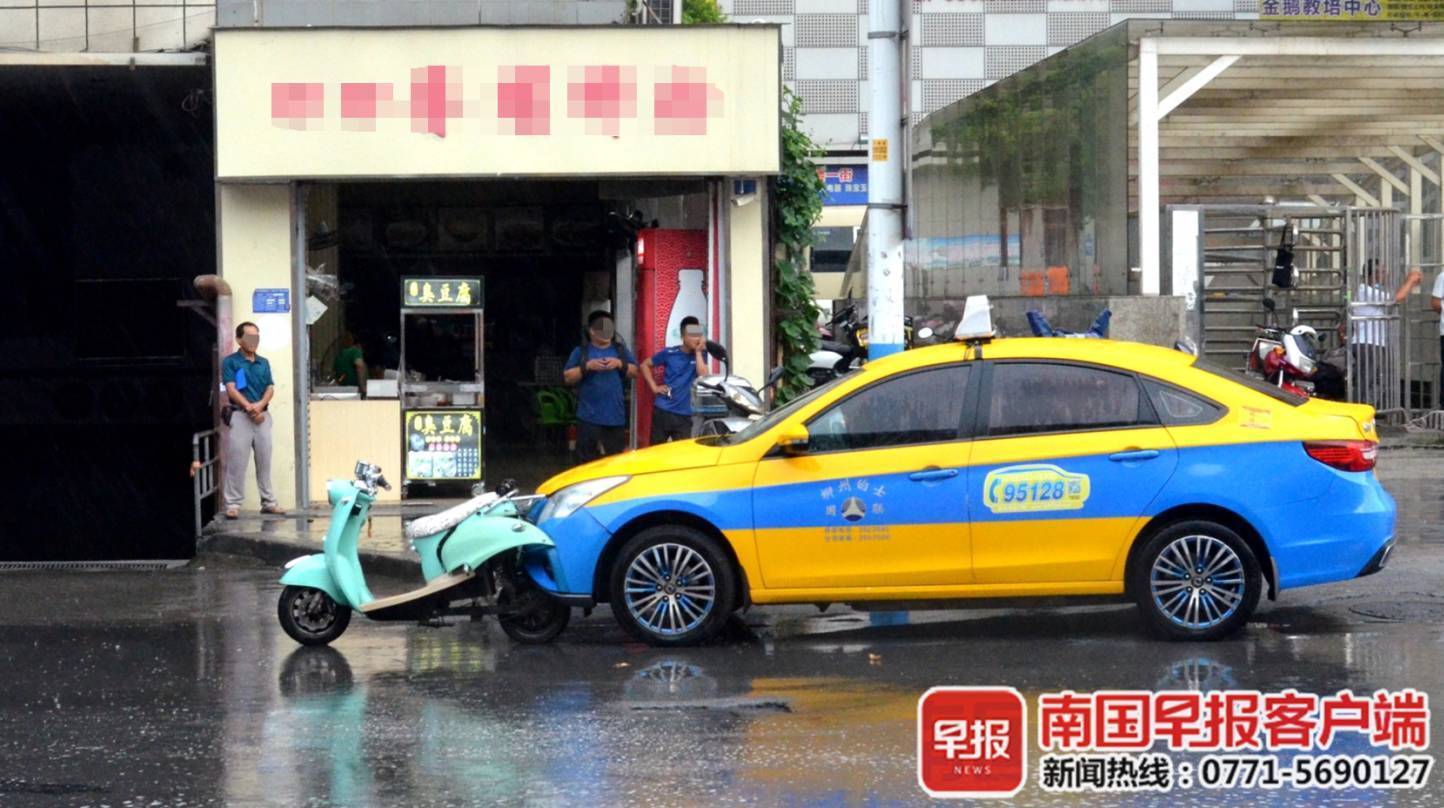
[884,194]
[1148,229]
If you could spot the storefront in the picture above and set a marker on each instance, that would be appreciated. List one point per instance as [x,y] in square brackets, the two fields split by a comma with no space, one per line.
[447,205]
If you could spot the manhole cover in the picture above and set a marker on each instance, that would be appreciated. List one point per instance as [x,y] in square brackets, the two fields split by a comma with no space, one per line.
[1420,611]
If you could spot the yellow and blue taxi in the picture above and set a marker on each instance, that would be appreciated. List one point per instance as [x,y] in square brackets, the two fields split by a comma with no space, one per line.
[1079,469]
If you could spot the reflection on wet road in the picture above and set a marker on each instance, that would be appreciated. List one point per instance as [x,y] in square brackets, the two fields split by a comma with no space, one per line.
[179,688]
[193,696]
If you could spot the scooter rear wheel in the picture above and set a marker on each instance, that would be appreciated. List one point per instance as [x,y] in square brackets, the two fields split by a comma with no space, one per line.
[310,616]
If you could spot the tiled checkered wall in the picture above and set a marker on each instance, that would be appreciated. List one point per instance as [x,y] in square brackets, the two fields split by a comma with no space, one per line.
[958,47]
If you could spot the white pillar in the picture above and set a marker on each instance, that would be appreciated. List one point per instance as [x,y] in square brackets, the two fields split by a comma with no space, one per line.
[1148,235]
[885,175]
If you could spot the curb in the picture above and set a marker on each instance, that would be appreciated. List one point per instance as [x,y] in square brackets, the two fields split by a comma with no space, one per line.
[277,552]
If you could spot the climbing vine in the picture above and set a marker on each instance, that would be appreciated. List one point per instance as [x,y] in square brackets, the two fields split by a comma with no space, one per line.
[701,12]
[797,202]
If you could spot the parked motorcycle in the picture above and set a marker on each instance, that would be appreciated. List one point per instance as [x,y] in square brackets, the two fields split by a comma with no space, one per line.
[839,348]
[471,559]
[844,345]
[725,403]
[1287,357]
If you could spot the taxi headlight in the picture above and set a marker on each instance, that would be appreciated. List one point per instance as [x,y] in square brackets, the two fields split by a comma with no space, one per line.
[567,501]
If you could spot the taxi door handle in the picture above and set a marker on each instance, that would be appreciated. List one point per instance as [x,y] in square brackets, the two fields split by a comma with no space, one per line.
[1133,455]
[928,475]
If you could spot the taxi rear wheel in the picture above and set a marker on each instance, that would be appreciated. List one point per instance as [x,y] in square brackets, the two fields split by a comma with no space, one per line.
[672,585]
[1196,580]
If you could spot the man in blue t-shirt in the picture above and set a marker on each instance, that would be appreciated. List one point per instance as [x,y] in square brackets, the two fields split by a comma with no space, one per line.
[681,365]
[601,366]
[249,387]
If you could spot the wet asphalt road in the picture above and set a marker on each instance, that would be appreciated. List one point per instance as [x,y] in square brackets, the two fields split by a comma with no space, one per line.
[179,688]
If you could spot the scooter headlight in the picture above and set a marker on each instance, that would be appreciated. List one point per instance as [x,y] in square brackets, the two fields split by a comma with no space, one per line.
[745,399]
[569,500]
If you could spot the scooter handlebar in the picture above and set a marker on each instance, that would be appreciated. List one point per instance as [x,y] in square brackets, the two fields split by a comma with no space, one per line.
[381,481]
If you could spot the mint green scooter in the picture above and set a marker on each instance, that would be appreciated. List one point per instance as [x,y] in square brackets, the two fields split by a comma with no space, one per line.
[470,558]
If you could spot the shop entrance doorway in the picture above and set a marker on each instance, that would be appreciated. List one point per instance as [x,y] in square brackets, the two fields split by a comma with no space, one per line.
[546,254]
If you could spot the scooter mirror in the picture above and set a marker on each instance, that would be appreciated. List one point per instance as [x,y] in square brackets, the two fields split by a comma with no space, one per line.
[716,351]
[1269,303]
[773,377]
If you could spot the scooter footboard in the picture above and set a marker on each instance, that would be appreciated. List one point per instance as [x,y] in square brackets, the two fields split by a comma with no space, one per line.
[311,571]
[482,538]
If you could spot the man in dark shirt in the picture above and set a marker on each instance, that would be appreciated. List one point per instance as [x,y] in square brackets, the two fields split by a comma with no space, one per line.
[681,365]
[249,387]
[601,367]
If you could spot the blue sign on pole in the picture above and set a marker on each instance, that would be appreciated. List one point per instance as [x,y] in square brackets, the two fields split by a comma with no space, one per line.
[271,301]
[843,184]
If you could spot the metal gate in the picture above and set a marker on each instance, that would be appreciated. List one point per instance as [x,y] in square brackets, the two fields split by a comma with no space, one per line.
[1424,248]
[1378,373]
[1347,264]
[205,471]
[1232,256]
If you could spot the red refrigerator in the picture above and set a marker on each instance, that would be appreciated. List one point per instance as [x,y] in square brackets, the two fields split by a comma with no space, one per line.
[673,281]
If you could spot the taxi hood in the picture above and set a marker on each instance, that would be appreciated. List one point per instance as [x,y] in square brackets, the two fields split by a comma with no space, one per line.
[674,456]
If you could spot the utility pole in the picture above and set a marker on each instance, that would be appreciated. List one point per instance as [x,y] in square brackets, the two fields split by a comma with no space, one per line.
[885,179]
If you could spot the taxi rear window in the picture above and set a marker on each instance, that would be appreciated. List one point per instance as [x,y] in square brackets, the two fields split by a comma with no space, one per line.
[1271,390]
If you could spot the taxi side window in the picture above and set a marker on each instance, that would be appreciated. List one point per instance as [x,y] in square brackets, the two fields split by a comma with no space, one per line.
[925,406]
[1177,407]
[1031,397]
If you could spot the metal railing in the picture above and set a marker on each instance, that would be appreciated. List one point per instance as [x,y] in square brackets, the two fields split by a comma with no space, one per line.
[84,26]
[1424,248]
[1378,342]
[205,471]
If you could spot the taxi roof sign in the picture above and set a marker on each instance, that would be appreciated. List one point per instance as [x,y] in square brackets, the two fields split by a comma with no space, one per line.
[977,322]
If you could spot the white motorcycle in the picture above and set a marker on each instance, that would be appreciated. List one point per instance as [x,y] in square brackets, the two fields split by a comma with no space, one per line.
[725,403]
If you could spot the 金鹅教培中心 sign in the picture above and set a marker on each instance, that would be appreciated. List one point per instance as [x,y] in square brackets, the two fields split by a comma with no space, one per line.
[1351,10]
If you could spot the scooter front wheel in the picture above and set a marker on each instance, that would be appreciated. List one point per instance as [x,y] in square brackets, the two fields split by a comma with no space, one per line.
[534,618]
[310,616]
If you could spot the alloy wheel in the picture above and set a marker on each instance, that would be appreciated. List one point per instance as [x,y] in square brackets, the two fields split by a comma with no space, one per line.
[670,589]
[1197,581]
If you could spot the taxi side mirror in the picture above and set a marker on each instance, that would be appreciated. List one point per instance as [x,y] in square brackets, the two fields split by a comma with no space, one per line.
[794,440]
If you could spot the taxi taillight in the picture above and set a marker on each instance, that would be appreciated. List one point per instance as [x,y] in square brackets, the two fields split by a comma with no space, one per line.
[1344,455]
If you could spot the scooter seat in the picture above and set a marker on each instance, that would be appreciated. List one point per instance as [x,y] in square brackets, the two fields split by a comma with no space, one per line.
[451,517]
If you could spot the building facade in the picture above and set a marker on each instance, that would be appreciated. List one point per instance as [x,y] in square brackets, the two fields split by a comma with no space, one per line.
[365,177]
[956,47]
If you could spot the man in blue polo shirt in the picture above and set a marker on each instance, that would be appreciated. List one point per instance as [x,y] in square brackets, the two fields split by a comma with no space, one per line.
[249,387]
[600,366]
[681,365]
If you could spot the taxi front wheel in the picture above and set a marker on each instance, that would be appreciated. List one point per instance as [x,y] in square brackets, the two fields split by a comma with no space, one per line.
[672,585]
[1196,580]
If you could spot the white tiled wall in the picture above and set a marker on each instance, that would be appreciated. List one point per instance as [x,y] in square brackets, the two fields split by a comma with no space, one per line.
[959,46]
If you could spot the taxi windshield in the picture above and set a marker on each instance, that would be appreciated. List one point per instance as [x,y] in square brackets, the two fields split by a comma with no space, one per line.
[769,420]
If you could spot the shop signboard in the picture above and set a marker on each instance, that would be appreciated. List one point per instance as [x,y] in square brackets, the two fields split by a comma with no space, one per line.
[271,301]
[514,101]
[843,184]
[1351,10]
[443,443]
[441,293]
